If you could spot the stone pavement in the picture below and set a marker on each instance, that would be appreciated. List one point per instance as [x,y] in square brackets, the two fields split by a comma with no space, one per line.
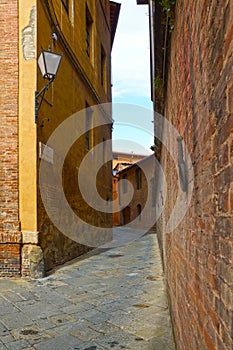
[111,300]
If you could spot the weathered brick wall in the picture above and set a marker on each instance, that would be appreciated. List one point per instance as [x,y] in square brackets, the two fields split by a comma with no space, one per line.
[9,224]
[199,102]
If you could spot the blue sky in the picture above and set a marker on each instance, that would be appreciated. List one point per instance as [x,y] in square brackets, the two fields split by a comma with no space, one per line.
[131,76]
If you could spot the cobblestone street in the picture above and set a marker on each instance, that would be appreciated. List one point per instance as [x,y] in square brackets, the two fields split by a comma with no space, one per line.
[111,300]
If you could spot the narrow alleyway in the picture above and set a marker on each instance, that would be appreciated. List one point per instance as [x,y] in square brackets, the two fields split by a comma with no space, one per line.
[112,300]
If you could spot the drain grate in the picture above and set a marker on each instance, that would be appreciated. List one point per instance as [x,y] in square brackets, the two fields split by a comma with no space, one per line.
[28,332]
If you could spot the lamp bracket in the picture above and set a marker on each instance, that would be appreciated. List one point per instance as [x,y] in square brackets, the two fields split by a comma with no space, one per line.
[41,94]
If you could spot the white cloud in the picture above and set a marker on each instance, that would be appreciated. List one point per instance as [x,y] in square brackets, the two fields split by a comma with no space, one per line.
[130,57]
[131,76]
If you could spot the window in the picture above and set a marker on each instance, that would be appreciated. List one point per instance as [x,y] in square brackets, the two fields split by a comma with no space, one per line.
[66,5]
[104,150]
[139,178]
[153,192]
[89,129]
[124,183]
[89,22]
[139,210]
[119,192]
[103,68]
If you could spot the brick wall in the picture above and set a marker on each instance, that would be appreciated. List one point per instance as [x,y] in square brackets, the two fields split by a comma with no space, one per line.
[198,254]
[9,224]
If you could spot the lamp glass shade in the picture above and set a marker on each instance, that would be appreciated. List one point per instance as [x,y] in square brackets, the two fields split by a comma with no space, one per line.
[49,63]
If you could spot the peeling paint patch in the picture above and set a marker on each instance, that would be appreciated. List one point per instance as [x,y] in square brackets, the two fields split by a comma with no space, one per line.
[28,36]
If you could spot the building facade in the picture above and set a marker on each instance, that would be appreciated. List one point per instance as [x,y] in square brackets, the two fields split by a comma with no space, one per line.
[141,176]
[83,33]
[120,161]
[192,57]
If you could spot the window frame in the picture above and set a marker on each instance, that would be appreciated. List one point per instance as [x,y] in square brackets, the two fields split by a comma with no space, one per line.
[103,67]
[66,5]
[124,184]
[89,26]
[89,129]
[139,211]
[138,173]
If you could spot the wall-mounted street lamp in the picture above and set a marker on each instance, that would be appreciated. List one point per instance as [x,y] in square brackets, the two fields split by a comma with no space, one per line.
[48,63]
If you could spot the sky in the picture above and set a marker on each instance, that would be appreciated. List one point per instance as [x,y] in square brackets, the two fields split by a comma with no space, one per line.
[131,78]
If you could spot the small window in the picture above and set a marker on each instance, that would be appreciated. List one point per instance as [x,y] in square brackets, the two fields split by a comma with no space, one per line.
[119,193]
[124,184]
[139,210]
[153,192]
[104,151]
[89,128]
[66,5]
[89,22]
[103,68]
[139,178]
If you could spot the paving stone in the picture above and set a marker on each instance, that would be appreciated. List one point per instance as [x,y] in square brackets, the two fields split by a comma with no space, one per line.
[86,334]
[9,285]
[93,316]
[61,319]
[7,309]
[154,344]
[16,320]
[98,303]
[18,345]
[44,323]
[114,306]
[89,346]
[3,330]
[117,340]
[120,318]
[105,328]
[147,332]
[40,309]
[7,338]
[28,295]
[65,342]
[73,308]
[72,327]
[13,297]
[2,346]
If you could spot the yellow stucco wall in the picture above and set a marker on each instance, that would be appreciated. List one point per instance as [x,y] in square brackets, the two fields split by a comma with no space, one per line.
[27,127]
[77,85]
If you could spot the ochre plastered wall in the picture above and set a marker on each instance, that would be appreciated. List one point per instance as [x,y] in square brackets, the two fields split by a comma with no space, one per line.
[76,86]
[28,238]
[27,126]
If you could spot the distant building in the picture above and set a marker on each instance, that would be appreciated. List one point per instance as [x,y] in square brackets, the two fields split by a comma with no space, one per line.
[122,160]
[141,175]
[116,207]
